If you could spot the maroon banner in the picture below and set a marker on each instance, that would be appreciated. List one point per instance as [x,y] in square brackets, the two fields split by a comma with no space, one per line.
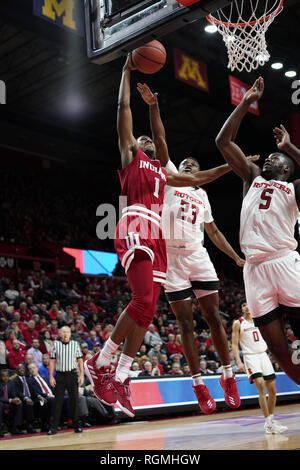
[237,91]
[189,70]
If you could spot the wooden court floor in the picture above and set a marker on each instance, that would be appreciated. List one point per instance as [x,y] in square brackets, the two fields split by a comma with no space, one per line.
[232,430]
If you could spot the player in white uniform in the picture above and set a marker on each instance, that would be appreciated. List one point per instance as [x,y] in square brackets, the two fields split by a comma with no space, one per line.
[269,213]
[257,365]
[185,212]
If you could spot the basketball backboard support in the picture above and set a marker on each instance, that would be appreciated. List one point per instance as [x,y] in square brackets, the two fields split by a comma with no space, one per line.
[116,27]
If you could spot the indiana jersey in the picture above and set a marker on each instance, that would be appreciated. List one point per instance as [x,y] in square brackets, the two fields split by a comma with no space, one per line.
[184,212]
[142,186]
[268,217]
[143,182]
[251,340]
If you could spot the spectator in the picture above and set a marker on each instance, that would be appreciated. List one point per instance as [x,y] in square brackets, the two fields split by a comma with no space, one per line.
[155,351]
[11,294]
[96,348]
[25,313]
[92,339]
[10,404]
[30,333]
[44,368]
[147,369]
[176,369]
[156,365]
[3,363]
[27,395]
[165,363]
[204,370]
[44,395]
[27,360]
[84,350]
[4,313]
[53,330]
[186,370]
[172,347]
[16,355]
[134,370]
[152,337]
[47,342]
[36,353]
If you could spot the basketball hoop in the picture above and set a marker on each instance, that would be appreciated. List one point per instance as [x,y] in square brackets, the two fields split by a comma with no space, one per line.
[243,26]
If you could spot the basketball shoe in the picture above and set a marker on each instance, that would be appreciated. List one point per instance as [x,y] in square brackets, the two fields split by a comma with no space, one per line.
[273,427]
[206,403]
[123,397]
[101,380]
[231,394]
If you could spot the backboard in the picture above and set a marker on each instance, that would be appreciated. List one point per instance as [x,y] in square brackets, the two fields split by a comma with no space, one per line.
[115,27]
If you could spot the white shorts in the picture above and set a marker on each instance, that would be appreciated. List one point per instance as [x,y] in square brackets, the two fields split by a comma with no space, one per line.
[188,272]
[258,365]
[271,284]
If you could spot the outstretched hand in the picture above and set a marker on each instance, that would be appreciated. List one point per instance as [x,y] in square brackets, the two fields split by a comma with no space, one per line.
[255,92]
[147,95]
[253,158]
[282,137]
[240,262]
[129,64]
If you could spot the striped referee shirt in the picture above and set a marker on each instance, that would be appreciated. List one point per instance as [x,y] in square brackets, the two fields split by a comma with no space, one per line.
[66,355]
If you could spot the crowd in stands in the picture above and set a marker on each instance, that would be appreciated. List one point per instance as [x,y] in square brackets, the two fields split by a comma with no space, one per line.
[34,307]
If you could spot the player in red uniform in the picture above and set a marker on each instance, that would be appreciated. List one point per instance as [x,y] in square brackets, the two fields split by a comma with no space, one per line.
[140,247]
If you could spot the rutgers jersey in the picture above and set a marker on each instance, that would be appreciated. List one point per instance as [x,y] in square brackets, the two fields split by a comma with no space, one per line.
[142,185]
[251,340]
[268,218]
[184,212]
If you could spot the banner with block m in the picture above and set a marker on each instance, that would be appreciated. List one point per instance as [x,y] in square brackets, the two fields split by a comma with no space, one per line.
[67,14]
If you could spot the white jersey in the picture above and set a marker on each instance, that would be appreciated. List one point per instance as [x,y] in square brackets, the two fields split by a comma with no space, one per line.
[268,218]
[184,212]
[251,340]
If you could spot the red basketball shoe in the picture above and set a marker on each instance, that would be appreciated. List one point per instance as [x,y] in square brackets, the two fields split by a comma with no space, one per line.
[123,397]
[206,403]
[101,381]
[231,394]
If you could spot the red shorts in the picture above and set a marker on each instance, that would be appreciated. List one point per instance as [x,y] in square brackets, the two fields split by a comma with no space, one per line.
[138,233]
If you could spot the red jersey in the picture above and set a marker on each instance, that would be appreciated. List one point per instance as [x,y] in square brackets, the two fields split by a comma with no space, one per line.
[142,186]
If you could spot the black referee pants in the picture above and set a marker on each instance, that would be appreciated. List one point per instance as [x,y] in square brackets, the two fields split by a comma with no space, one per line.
[66,381]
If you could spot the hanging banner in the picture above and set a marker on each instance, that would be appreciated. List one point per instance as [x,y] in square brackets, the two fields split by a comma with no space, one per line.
[67,14]
[237,91]
[189,70]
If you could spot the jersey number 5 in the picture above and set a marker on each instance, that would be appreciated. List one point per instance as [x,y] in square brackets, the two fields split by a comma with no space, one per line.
[266,198]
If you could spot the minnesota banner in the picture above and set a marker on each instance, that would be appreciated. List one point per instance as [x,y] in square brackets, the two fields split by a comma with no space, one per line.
[189,70]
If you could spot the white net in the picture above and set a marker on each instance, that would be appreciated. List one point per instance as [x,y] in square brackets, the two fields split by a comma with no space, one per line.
[243,26]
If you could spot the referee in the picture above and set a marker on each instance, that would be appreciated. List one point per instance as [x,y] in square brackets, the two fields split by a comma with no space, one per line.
[65,356]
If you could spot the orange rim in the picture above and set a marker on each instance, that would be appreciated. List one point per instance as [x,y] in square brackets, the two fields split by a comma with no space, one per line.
[263,19]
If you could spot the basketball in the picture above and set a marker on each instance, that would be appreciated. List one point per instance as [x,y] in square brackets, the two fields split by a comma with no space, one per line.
[149,58]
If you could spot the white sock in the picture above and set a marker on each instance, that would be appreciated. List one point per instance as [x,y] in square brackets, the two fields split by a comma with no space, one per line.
[227,371]
[123,368]
[105,357]
[197,379]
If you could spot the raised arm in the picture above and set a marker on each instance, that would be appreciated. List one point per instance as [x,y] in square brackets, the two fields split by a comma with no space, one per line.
[226,137]
[157,127]
[201,177]
[284,144]
[127,143]
[221,242]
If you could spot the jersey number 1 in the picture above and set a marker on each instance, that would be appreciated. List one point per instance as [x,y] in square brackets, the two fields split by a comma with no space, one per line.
[156,190]
[266,198]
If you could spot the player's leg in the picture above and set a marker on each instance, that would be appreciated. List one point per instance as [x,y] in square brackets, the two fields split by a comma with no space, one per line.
[184,315]
[277,427]
[274,335]
[209,305]
[260,385]
[131,346]
[140,278]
